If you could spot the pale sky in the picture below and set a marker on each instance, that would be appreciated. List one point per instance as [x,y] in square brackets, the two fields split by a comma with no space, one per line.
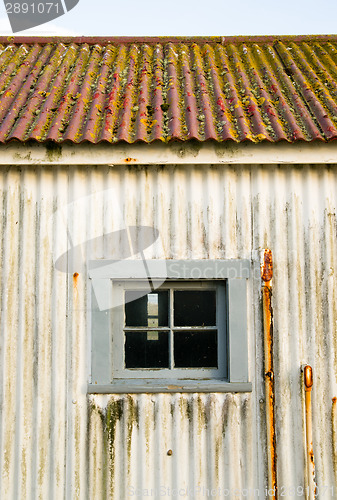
[187,17]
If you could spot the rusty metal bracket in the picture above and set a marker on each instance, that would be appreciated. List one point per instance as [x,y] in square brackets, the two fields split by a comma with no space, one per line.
[266,289]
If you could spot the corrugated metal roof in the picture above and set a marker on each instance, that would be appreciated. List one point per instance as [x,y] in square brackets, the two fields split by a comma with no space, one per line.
[148,89]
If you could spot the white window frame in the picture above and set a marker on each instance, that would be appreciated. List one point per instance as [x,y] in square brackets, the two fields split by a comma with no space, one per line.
[107,335]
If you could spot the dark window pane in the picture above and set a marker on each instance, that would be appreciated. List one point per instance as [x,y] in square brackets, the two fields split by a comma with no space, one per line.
[196,349]
[149,310]
[147,349]
[195,308]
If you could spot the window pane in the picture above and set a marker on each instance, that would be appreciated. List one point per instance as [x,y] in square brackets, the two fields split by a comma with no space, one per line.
[149,310]
[195,308]
[147,349]
[196,349]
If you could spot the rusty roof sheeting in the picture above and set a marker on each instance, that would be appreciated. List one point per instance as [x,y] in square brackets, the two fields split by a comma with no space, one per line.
[221,89]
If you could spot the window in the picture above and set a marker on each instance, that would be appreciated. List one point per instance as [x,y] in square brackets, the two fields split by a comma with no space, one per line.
[174,331]
[174,326]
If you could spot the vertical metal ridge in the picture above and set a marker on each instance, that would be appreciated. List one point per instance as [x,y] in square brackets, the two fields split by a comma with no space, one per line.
[213,225]
[220,104]
[52,96]
[5,54]
[250,114]
[10,126]
[330,50]
[15,62]
[243,200]
[77,349]
[44,79]
[204,93]
[18,365]
[10,91]
[328,231]
[295,331]
[26,321]
[195,232]
[58,344]
[298,108]
[43,340]
[230,450]
[8,345]
[3,275]
[158,223]
[173,70]
[211,77]
[157,84]
[114,94]
[309,65]
[125,128]
[96,116]
[239,123]
[269,68]
[326,351]
[301,74]
[144,121]
[95,445]
[76,130]
[60,101]
[68,107]
[189,93]
[248,442]
[230,233]
[326,72]
[263,93]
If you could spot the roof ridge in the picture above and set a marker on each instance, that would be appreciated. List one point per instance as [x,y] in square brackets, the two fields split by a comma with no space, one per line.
[233,39]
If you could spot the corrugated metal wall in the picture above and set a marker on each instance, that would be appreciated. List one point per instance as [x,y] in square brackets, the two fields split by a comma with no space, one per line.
[56,441]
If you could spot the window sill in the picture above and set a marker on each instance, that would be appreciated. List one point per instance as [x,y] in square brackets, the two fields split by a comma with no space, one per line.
[172,386]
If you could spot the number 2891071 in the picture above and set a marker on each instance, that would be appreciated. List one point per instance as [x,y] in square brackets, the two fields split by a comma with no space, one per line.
[32,8]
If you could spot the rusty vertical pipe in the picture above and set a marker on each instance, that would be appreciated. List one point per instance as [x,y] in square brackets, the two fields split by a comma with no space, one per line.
[267,275]
[334,437]
[308,382]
